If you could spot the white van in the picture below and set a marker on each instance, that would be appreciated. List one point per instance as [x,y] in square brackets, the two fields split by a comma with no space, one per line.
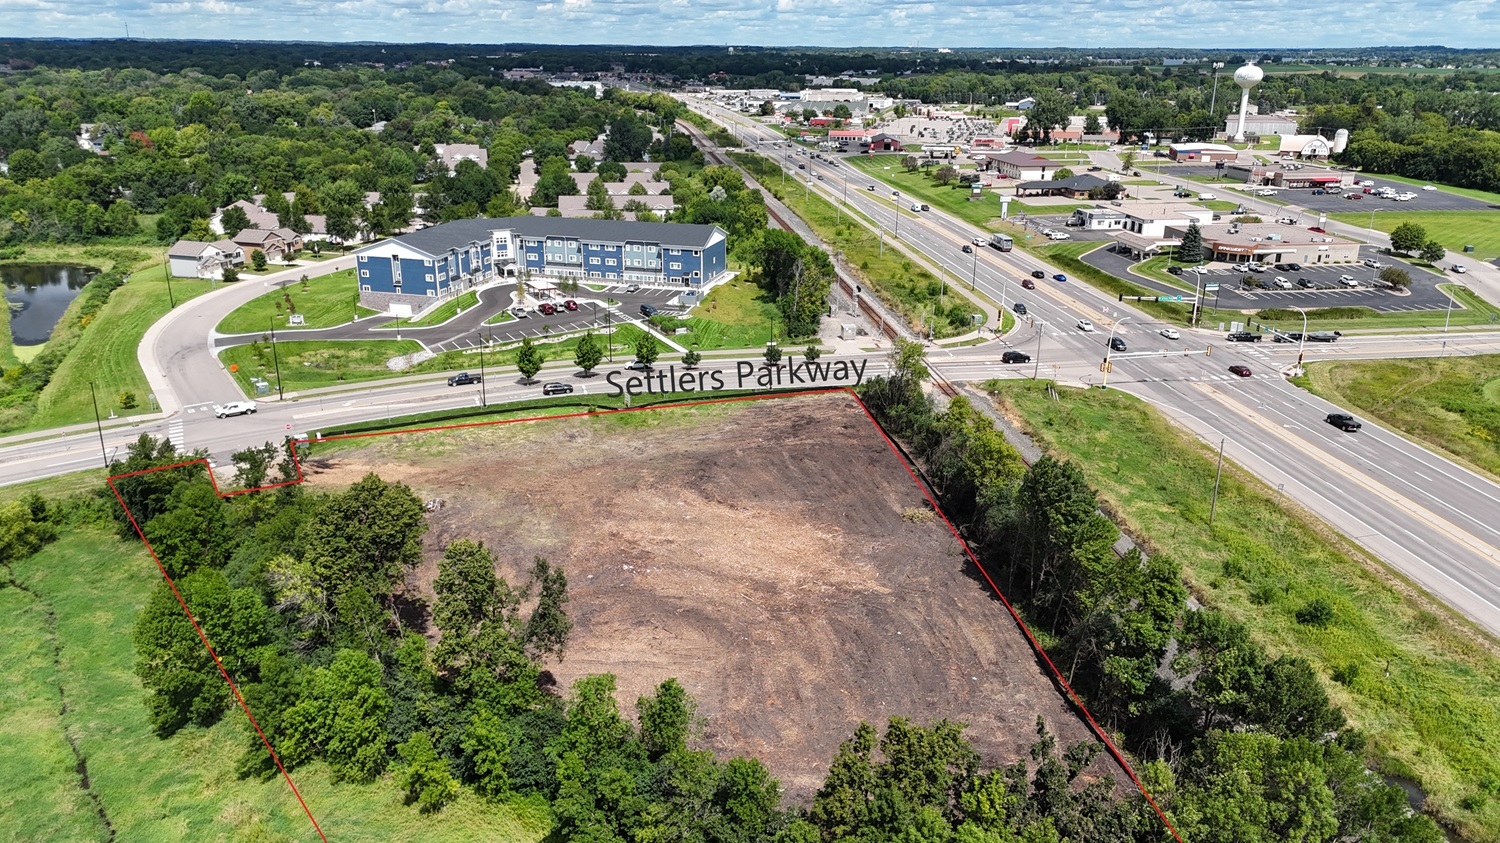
[1206,197]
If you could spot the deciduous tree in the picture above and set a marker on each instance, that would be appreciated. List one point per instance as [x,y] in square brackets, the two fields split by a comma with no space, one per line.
[366,536]
[528,359]
[1408,237]
[588,353]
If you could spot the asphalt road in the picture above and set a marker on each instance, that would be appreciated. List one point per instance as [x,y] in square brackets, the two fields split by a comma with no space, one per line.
[1434,522]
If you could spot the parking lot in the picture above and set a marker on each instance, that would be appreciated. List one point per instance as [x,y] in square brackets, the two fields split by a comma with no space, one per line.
[1327,290]
[1335,203]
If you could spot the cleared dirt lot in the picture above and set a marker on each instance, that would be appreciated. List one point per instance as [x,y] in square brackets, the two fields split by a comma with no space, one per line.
[774,556]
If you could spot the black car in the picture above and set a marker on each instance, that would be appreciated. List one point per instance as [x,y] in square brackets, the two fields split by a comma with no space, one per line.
[1344,422]
[1306,283]
[1175,270]
[1117,344]
[1038,274]
[1019,307]
[463,379]
[1015,357]
[968,250]
[1244,336]
[556,388]
[1284,267]
[648,311]
[1295,267]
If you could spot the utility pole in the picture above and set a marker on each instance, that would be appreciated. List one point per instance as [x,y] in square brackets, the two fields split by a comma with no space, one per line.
[482,401]
[1036,371]
[1213,505]
[103,452]
[1214,100]
[280,396]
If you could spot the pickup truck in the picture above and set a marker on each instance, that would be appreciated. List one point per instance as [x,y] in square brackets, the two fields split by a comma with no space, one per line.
[234,408]
[463,379]
[1244,336]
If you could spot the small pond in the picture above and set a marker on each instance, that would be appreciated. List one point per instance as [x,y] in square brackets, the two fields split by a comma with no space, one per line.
[37,294]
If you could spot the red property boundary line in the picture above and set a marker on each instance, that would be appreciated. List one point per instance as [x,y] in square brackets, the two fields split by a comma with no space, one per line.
[1098,730]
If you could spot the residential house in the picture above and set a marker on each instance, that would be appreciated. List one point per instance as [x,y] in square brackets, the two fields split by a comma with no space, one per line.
[452,153]
[196,259]
[273,243]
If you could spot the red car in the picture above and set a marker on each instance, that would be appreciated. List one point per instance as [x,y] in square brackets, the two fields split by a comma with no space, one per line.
[547,308]
[570,304]
[1028,283]
[1317,229]
[1242,371]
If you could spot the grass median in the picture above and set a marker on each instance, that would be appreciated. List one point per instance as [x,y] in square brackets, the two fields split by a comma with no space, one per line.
[447,310]
[1451,404]
[1422,686]
[322,302]
[311,364]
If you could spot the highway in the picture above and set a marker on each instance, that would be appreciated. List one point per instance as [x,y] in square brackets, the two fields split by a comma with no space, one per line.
[1435,522]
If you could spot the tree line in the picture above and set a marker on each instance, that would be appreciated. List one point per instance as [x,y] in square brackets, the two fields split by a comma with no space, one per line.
[1237,745]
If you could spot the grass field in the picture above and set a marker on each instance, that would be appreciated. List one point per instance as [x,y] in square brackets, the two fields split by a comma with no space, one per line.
[106,353]
[312,364]
[738,314]
[919,187]
[182,789]
[447,310]
[1451,404]
[1435,719]
[325,301]
[1453,229]
[906,288]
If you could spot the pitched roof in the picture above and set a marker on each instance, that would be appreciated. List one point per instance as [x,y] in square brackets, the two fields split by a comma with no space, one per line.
[439,239]
[1023,159]
[186,249]
[1082,181]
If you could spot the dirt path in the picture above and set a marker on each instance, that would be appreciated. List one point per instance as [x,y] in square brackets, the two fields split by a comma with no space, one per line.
[774,556]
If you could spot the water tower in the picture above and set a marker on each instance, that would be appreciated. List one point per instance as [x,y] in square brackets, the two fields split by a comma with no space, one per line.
[1246,77]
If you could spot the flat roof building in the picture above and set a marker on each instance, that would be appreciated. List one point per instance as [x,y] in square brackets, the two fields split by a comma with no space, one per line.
[1272,243]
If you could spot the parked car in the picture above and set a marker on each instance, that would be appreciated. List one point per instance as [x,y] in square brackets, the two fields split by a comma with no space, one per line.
[547,308]
[1306,283]
[1086,326]
[234,408]
[1295,267]
[1256,267]
[633,288]
[1282,283]
[1015,357]
[556,388]
[1354,196]
[1170,333]
[1281,267]
[1059,277]
[1095,169]
[1019,307]
[519,312]
[1241,370]
[1028,283]
[1348,281]
[1117,344]
[1317,229]
[463,379]
[1344,422]
[1372,263]
[648,310]
[1038,274]
[570,304]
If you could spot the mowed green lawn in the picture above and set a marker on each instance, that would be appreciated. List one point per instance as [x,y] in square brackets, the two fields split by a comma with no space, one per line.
[106,353]
[1451,403]
[1454,229]
[919,187]
[180,789]
[1434,717]
[325,301]
[738,314]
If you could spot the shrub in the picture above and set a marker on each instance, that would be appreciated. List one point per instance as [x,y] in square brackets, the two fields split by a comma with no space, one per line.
[1317,612]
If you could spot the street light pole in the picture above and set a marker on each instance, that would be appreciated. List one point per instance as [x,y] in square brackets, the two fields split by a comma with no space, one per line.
[1301,340]
[482,401]
[1197,293]
[1449,315]
[974,275]
[275,358]
[1036,370]
[1109,348]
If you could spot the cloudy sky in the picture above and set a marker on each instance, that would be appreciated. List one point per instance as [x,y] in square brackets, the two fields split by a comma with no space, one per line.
[953,23]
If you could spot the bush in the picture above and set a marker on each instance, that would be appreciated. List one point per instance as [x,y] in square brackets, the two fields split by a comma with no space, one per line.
[1317,612]
[1274,314]
[126,400]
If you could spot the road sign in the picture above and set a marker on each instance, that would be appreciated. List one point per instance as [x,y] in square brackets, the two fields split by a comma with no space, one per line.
[1211,288]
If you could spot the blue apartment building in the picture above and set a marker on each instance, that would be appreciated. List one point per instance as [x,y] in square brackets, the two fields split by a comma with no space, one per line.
[413,271]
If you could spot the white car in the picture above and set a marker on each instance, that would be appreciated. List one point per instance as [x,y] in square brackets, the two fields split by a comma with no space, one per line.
[1282,283]
[1348,281]
[1373,264]
[979,241]
[1086,326]
[1459,268]
[1170,333]
[1256,267]
[1206,197]
[234,408]
[1428,187]
[1265,192]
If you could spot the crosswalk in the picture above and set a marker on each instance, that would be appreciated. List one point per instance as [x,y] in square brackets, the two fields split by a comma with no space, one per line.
[175,435]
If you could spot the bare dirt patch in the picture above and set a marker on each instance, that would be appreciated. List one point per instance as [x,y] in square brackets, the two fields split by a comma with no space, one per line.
[763,553]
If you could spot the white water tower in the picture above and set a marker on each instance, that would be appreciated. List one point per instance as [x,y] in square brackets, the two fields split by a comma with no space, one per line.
[1246,77]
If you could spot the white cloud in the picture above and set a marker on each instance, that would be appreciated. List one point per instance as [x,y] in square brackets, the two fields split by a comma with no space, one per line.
[838,23]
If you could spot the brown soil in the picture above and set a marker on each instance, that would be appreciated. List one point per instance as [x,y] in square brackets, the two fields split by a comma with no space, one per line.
[774,556]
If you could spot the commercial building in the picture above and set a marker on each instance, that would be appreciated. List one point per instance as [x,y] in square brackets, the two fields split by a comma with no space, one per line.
[1152,219]
[408,273]
[1247,243]
[1305,146]
[1021,165]
[1099,218]
[1262,124]
[1277,177]
[1201,152]
[1076,187]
